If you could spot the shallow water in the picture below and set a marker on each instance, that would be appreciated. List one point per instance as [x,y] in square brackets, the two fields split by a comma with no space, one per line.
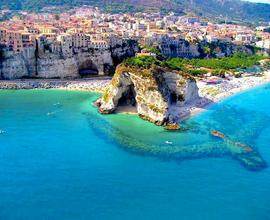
[59,159]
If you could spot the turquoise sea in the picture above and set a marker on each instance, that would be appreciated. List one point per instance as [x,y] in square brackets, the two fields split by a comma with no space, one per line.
[61,160]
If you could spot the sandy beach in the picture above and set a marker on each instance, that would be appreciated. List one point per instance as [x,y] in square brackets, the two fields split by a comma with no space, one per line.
[97,84]
[209,94]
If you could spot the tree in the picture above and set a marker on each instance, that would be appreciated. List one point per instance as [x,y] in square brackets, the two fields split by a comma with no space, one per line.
[207,50]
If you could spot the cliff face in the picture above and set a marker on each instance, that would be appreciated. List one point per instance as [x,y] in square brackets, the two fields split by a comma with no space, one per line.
[77,65]
[184,49]
[43,62]
[14,67]
[121,49]
[153,92]
[17,65]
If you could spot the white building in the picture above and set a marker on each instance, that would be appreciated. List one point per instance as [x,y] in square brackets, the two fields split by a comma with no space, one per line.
[264,44]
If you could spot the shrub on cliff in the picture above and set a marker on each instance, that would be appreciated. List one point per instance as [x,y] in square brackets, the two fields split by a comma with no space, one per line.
[227,63]
[197,72]
[197,67]
[141,62]
[150,49]
[175,63]
[219,72]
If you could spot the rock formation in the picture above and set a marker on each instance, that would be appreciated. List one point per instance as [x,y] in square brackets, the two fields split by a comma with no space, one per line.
[154,92]
[43,61]
[173,47]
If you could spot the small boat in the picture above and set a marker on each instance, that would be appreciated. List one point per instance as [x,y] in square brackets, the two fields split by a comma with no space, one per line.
[57,104]
[2,132]
[168,142]
[51,113]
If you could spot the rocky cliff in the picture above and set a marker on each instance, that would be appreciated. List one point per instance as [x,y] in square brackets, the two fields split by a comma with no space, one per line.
[154,93]
[81,64]
[43,61]
[171,48]
[16,65]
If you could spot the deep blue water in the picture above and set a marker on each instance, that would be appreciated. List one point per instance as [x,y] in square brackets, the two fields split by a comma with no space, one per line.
[59,159]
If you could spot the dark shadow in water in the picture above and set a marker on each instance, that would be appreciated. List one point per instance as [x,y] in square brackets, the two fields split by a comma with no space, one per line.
[267,87]
[239,125]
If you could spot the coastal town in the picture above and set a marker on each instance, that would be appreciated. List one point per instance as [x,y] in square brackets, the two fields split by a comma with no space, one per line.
[49,49]
[134,109]
[88,27]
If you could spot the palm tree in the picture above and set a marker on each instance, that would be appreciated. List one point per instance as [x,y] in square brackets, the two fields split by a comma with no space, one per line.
[207,51]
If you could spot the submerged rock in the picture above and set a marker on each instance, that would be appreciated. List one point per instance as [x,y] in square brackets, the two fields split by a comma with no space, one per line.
[217,134]
[249,156]
[172,126]
[156,92]
[240,146]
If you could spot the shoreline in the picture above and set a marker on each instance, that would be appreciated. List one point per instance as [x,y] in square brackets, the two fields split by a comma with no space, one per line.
[213,94]
[220,92]
[97,84]
[209,94]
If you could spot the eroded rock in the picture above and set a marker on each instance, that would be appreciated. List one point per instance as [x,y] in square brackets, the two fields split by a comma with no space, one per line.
[155,92]
[43,61]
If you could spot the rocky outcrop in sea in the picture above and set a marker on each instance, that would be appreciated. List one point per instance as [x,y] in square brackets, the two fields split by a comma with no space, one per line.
[155,92]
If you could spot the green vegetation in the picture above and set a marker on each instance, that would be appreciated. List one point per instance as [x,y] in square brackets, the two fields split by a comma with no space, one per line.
[227,63]
[142,62]
[267,65]
[120,8]
[154,50]
[207,50]
[236,10]
[175,63]
[106,6]
[219,72]
[198,67]
[196,72]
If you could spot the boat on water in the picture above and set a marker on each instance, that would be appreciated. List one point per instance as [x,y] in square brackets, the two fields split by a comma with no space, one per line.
[168,142]
[57,104]
[53,113]
[50,113]
[2,132]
